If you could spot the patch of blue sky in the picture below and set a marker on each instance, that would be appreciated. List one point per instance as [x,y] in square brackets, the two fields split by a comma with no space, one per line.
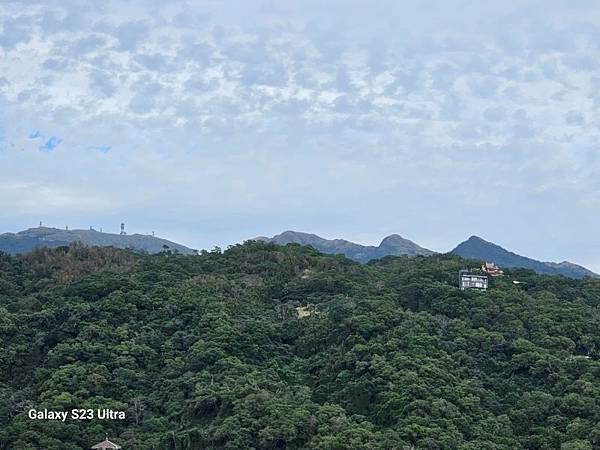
[50,144]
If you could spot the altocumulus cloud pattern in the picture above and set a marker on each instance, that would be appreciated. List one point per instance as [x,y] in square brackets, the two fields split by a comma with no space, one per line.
[391,116]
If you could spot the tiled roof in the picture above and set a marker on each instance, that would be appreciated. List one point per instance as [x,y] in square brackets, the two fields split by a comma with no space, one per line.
[106,444]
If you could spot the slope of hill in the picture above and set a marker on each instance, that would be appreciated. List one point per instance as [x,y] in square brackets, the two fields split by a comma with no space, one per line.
[27,240]
[393,245]
[271,348]
[478,248]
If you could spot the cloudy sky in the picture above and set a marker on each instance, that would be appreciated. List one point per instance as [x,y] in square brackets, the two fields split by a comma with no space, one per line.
[213,121]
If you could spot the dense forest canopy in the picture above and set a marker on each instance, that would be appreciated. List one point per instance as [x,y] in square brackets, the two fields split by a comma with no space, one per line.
[269,347]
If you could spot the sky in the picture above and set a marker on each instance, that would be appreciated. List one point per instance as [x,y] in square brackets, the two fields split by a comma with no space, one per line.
[211,122]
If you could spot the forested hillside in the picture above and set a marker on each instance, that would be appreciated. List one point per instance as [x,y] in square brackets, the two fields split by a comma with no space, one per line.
[269,347]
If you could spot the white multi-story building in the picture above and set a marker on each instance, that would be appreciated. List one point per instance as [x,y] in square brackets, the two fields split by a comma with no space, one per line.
[468,280]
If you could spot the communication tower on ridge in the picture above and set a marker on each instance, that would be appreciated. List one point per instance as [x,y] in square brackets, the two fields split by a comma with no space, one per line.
[122,233]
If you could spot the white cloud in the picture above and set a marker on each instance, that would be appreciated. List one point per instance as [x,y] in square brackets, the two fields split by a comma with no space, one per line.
[234,106]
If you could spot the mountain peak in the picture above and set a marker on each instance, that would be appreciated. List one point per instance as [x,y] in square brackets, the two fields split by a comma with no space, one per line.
[478,248]
[392,239]
[396,244]
[391,245]
[475,238]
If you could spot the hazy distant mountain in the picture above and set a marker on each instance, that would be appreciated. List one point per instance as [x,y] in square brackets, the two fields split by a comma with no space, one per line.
[25,241]
[393,245]
[477,248]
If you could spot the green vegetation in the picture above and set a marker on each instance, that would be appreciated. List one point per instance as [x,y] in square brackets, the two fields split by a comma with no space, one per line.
[208,351]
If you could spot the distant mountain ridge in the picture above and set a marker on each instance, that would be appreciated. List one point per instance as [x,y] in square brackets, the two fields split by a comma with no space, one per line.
[393,245]
[27,240]
[478,248]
